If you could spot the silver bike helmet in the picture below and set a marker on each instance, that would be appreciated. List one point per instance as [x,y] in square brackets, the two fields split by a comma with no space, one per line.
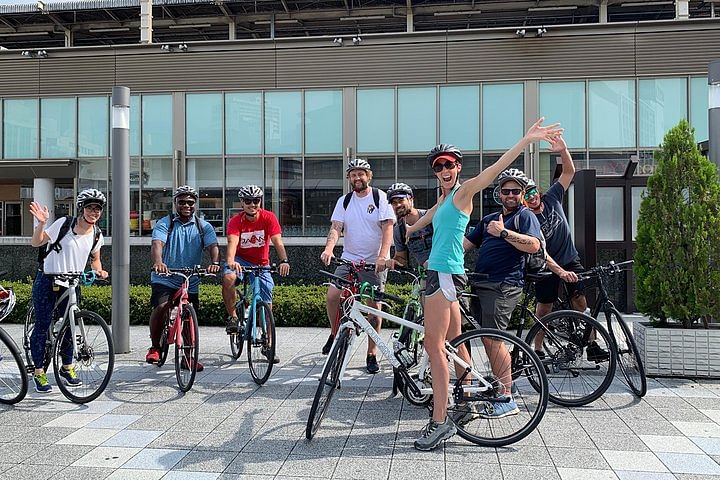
[90,195]
[250,191]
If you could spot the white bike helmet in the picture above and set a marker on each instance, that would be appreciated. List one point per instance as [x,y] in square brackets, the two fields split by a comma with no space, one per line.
[250,191]
[90,195]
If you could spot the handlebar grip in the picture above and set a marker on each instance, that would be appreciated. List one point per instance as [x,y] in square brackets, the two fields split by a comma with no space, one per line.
[390,296]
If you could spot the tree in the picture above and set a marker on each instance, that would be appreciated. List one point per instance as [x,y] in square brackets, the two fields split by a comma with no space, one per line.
[677,259]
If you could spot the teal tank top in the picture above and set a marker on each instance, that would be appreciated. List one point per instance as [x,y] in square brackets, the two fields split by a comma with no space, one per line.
[449,224]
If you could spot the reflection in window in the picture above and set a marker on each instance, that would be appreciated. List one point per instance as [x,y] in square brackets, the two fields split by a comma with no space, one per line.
[637,193]
[503,115]
[564,102]
[460,116]
[20,128]
[283,188]
[414,171]
[157,124]
[416,119]
[135,180]
[57,128]
[323,187]
[205,174]
[323,121]
[490,199]
[376,120]
[93,173]
[134,125]
[699,107]
[283,122]
[157,192]
[549,162]
[663,103]
[238,173]
[383,172]
[243,114]
[611,113]
[203,114]
[93,130]
[609,214]
[609,163]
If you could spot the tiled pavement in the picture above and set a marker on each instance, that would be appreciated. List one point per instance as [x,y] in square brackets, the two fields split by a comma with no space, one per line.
[227,428]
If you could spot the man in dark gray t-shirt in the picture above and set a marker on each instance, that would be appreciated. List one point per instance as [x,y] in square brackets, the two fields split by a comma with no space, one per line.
[418,245]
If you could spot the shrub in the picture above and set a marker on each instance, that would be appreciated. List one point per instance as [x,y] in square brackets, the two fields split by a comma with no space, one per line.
[677,260]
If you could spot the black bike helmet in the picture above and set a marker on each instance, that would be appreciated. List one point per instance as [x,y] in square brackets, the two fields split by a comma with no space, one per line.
[399,190]
[444,149]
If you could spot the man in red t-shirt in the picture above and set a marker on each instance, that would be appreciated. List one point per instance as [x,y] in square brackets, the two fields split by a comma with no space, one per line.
[249,234]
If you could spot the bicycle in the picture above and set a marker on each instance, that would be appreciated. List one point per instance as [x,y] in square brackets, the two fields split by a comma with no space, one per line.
[181,328]
[13,379]
[627,352]
[476,385]
[407,338]
[76,336]
[566,335]
[256,325]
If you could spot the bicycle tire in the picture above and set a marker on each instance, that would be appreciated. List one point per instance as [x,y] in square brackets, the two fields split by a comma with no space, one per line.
[629,358]
[94,360]
[13,376]
[564,346]
[418,401]
[164,345]
[412,345]
[237,340]
[27,333]
[531,401]
[261,350]
[190,348]
[329,381]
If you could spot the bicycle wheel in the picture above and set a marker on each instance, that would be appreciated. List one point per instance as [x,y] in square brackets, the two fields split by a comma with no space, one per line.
[13,378]
[329,381]
[237,339]
[629,360]
[186,356]
[164,346]
[93,361]
[261,346]
[578,372]
[27,333]
[418,400]
[474,416]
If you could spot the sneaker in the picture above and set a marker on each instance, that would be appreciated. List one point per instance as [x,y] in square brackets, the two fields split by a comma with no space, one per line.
[153,355]
[41,383]
[184,365]
[231,325]
[465,413]
[328,345]
[596,354]
[371,363]
[70,376]
[499,409]
[434,433]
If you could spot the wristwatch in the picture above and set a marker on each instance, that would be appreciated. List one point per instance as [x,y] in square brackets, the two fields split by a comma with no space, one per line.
[504,234]
[285,261]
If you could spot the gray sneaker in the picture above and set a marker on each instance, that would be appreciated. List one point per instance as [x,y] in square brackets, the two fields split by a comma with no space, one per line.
[435,433]
[465,413]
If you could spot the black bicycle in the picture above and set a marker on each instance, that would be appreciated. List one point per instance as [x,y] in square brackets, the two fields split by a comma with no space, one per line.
[13,379]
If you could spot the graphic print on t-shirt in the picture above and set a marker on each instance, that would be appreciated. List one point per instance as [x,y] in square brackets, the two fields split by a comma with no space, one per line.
[549,222]
[253,239]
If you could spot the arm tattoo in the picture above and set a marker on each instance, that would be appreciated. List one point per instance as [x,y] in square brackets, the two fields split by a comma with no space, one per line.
[385,222]
[336,229]
[519,239]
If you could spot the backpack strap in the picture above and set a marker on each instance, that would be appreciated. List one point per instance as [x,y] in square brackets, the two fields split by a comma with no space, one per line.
[346,200]
[199,224]
[43,252]
[403,231]
[96,232]
[375,194]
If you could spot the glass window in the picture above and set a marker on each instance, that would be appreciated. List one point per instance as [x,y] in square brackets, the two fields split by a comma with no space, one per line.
[564,102]
[376,120]
[611,113]
[157,192]
[699,107]
[57,128]
[460,116]
[243,123]
[283,193]
[609,214]
[238,173]
[418,175]
[20,126]
[549,162]
[502,115]
[283,122]
[609,163]
[663,103]
[323,121]
[134,125]
[637,193]
[383,169]
[323,187]
[135,217]
[93,130]
[93,173]
[203,120]
[157,124]
[205,174]
[417,117]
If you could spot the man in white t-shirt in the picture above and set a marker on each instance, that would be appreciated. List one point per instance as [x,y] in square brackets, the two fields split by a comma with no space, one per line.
[366,219]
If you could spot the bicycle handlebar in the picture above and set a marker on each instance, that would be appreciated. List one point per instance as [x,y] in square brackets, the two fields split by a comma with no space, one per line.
[357,266]
[187,271]
[611,268]
[376,294]
[261,268]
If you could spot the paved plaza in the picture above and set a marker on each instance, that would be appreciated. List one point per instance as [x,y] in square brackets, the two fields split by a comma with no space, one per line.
[226,427]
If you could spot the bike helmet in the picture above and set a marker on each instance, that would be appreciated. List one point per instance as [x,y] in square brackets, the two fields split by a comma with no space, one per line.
[399,190]
[358,164]
[90,195]
[7,302]
[530,184]
[444,149]
[513,174]
[185,190]
[250,191]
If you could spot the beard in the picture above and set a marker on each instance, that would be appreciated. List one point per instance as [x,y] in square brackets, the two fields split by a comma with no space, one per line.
[360,185]
[401,212]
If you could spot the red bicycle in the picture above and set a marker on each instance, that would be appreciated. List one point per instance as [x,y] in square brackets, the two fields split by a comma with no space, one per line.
[181,329]
[354,269]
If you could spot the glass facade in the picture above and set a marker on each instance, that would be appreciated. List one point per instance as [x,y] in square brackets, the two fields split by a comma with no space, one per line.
[243,123]
[57,128]
[663,103]
[564,102]
[283,122]
[611,113]
[20,128]
[503,116]
[699,107]
[157,116]
[460,116]
[93,126]
[323,121]
[375,120]
[204,123]
[417,119]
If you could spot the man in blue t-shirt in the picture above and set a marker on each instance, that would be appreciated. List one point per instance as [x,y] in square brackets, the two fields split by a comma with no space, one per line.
[178,245]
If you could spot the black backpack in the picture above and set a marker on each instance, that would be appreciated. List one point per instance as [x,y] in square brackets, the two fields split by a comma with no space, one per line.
[534,262]
[67,225]
[375,194]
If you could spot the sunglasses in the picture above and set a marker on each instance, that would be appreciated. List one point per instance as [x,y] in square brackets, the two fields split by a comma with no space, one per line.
[530,193]
[437,168]
[94,208]
[511,191]
[251,201]
[189,203]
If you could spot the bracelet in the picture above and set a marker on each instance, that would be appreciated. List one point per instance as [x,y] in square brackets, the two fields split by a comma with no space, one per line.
[285,261]
[215,263]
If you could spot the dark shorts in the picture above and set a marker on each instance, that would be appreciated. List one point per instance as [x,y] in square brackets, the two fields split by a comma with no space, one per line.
[374,279]
[451,285]
[162,294]
[546,290]
[494,304]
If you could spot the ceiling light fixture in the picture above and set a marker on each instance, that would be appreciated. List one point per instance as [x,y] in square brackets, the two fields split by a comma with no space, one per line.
[643,4]
[191,25]
[458,12]
[549,9]
[105,30]
[362,17]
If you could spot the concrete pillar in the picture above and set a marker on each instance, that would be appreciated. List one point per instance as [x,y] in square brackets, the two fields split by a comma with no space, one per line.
[146,30]
[410,17]
[44,194]
[232,31]
[714,112]
[682,10]
[603,11]
[69,38]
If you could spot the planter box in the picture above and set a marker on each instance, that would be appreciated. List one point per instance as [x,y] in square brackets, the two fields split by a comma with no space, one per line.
[675,351]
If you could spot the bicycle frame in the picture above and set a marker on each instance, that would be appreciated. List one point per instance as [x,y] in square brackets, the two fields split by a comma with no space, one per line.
[179,300]
[256,297]
[70,309]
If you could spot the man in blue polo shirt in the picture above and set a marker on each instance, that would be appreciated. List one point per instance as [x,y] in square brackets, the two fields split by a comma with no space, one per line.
[178,245]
